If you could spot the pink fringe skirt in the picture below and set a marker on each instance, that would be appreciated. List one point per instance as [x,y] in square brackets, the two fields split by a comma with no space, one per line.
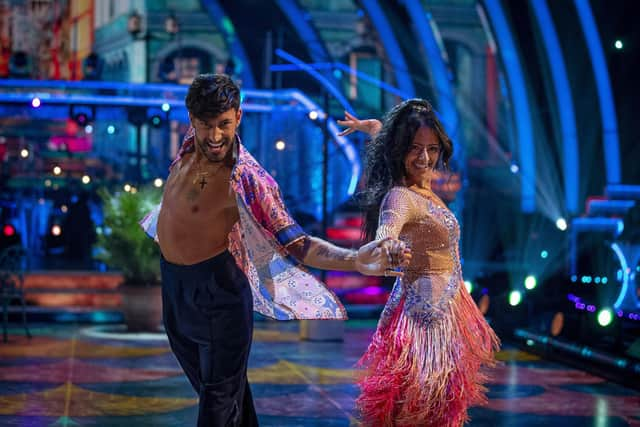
[420,374]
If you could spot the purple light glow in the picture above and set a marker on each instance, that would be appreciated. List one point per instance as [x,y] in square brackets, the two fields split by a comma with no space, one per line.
[591,308]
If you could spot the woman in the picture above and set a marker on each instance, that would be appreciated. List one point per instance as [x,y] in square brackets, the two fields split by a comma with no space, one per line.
[422,367]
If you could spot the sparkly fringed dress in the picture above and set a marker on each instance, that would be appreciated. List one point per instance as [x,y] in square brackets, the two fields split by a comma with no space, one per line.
[423,366]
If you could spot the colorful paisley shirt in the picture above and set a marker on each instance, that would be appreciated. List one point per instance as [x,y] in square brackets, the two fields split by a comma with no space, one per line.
[282,289]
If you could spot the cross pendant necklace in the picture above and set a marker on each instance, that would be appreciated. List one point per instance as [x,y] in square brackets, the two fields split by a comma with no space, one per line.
[201,179]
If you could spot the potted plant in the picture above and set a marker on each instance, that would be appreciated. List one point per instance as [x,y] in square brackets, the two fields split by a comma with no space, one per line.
[123,245]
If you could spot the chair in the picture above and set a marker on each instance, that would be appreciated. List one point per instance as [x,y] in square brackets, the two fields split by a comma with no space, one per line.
[12,284]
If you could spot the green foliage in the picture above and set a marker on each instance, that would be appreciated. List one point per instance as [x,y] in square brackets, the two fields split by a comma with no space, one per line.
[123,245]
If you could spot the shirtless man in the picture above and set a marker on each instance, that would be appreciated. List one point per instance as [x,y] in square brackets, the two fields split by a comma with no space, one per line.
[225,237]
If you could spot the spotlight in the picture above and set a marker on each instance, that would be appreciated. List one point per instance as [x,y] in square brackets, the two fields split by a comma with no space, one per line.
[57,170]
[530,282]
[9,230]
[515,298]
[86,179]
[111,129]
[156,121]
[166,107]
[35,102]
[561,223]
[24,153]
[544,254]
[127,188]
[158,182]
[468,285]
[82,114]
[88,129]
[514,168]
[64,209]
[47,183]
[56,230]
[605,317]
[313,115]
[618,44]
[280,145]
[81,119]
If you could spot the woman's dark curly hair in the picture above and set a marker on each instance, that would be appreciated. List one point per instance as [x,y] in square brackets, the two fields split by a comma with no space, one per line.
[386,153]
[211,95]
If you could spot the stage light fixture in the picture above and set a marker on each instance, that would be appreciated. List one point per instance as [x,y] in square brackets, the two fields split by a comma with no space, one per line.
[469,285]
[57,170]
[530,282]
[605,317]
[618,44]
[82,115]
[166,107]
[280,145]
[24,153]
[515,298]
[111,129]
[561,223]
[156,121]
[157,182]
[86,179]
[35,102]
[127,188]
[313,115]
[56,230]
[9,230]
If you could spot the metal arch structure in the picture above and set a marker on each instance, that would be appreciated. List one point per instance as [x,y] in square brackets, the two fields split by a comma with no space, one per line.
[610,141]
[420,19]
[224,24]
[520,99]
[310,37]
[564,101]
[381,24]
[306,31]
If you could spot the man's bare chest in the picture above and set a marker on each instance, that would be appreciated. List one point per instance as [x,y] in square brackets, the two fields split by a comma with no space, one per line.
[192,196]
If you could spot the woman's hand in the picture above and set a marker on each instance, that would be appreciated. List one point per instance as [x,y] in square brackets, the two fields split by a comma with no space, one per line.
[352,123]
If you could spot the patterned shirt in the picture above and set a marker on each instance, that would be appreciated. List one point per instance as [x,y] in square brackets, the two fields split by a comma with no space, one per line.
[282,289]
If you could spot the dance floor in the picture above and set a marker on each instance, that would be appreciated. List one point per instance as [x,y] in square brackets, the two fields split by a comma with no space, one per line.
[91,375]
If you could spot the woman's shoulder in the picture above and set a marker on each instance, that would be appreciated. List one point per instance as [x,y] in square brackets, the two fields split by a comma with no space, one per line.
[399,195]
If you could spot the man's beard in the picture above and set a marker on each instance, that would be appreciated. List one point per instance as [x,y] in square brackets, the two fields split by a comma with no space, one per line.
[206,149]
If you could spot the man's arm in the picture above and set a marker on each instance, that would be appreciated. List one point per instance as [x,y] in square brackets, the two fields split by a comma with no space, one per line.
[376,258]
[317,253]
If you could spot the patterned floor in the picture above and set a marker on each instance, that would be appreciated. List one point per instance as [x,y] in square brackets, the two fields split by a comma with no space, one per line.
[88,375]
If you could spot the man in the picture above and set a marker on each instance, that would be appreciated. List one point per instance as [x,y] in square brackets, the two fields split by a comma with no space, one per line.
[225,237]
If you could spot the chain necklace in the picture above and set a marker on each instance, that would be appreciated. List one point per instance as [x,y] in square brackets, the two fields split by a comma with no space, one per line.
[201,177]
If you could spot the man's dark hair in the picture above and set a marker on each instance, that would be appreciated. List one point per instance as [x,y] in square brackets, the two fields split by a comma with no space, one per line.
[211,95]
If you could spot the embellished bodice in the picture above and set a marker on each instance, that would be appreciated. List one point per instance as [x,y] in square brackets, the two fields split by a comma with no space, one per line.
[434,275]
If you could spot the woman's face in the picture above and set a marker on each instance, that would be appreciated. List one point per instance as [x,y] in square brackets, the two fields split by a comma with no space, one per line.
[422,157]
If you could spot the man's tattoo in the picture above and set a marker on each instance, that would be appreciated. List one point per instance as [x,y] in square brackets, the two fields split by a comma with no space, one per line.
[332,253]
